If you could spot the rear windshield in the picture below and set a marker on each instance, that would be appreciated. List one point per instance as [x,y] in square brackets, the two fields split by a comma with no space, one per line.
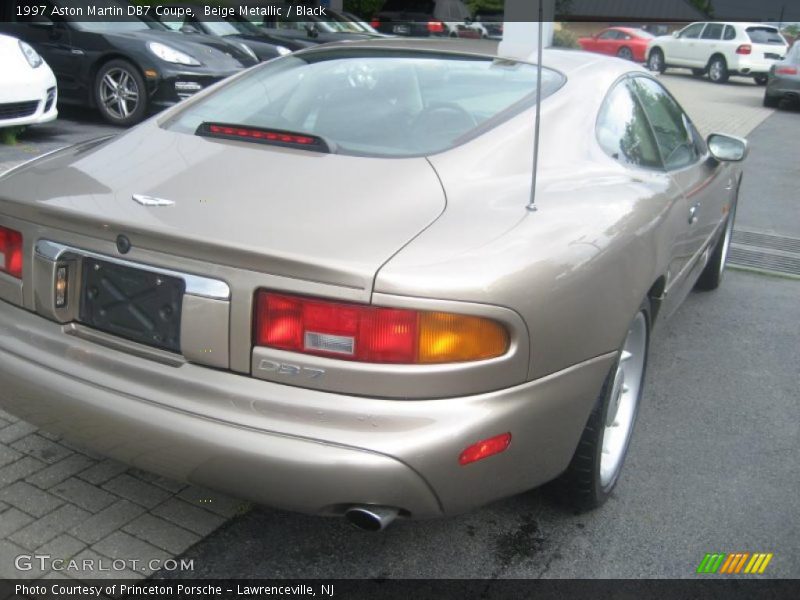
[765,35]
[377,103]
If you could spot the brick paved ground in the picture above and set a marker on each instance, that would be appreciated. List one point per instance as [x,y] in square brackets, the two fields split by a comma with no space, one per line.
[60,500]
[735,108]
[67,502]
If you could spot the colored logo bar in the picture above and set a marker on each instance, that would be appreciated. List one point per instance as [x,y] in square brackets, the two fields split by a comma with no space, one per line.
[735,563]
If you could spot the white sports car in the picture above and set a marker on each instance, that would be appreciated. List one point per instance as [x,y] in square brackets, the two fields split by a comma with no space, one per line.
[28,91]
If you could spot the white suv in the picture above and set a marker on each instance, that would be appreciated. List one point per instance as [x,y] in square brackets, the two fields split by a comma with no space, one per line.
[719,49]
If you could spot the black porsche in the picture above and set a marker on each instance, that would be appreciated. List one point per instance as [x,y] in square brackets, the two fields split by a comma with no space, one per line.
[124,67]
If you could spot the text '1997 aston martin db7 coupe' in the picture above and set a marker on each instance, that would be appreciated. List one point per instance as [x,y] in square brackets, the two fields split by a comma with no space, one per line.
[321,285]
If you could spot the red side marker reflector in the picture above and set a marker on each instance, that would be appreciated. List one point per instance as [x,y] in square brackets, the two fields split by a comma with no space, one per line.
[485,449]
[264,136]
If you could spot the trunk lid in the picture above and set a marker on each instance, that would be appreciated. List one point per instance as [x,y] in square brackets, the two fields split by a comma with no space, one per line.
[321,217]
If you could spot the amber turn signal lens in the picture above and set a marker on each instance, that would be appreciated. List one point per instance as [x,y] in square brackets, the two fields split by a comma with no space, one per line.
[445,337]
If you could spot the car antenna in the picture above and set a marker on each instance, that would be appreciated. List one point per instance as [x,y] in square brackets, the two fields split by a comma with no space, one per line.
[531,206]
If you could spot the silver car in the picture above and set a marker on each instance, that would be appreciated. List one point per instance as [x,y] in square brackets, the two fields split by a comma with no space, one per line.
[324,285]
[784,80]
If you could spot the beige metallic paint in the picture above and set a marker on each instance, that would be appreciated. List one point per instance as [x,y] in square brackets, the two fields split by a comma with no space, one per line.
[453,234]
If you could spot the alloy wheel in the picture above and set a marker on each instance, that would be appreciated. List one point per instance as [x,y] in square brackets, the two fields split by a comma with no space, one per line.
[625,392]
[119,93]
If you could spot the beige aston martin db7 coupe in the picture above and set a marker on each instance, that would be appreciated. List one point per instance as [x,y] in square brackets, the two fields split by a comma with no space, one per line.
[321,285]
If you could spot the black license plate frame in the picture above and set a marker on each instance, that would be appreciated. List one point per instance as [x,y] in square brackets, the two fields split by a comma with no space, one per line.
[132,303]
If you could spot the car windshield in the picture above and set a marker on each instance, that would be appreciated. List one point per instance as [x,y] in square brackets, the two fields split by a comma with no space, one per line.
[376,103]
[765,35]
[121,23]
[221,28]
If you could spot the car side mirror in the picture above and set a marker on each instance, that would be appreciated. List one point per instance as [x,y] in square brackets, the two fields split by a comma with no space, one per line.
[311,30]
[676,34]
[727,147]
[190,29]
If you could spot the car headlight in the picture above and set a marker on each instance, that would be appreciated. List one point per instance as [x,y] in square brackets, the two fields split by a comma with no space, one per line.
[171,55]
[31,55]
[283,50]
[248,50]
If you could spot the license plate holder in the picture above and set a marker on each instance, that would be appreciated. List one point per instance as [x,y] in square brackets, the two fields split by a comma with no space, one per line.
[136,304]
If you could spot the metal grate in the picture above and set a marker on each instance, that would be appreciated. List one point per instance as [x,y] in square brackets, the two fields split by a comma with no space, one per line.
[15,110]
[765,251]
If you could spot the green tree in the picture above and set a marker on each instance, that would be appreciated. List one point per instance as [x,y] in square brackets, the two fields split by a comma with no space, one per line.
[365,9]
[704,6]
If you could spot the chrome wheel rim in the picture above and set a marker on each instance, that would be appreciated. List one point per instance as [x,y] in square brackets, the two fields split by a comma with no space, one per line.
[625,391]
[726,242]
[119,93]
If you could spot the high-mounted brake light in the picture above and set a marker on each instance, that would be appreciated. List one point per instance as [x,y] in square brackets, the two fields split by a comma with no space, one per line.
[374,334]
[484,449]
[277,137]
[435,27]
[11,252]
[744,49]
[786,71]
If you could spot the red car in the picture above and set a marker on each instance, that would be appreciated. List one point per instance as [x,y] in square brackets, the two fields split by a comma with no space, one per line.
[625,42]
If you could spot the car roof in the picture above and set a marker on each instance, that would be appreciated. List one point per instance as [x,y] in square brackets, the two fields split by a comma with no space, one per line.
[740,24]
[566,61]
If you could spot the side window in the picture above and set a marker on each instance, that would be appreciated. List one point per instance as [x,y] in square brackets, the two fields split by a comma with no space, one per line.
[674,132]
[608,35]
[623,131]
[730,33]
[713,31]
[692,32]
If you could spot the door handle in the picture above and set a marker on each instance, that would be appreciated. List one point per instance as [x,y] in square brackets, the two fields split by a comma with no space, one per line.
[693,214]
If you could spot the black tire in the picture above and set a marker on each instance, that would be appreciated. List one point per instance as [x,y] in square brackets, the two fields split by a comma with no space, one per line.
[133,84]
[625,53]
[580,486]
[714,270]
[655,61]
[771,101]
[718,70]
[698,72]
[761,79]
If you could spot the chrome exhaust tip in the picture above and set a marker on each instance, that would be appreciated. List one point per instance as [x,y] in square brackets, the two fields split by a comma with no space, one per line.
[371,518]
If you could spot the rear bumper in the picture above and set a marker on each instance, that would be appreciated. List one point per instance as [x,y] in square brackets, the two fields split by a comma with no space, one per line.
[289,447]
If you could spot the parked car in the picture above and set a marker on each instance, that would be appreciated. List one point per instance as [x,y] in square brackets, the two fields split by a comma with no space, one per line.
[424,18]
[492,23]
[28,90]
[263,45]
[784,80]
[334,298]
[126,66]
[720,50]
[624,42]
[282,19]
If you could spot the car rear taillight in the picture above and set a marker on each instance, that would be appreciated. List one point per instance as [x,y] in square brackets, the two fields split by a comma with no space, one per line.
[786,71]
[435,27]
[374,334]
[375,23]
[11,252]
[744,49]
